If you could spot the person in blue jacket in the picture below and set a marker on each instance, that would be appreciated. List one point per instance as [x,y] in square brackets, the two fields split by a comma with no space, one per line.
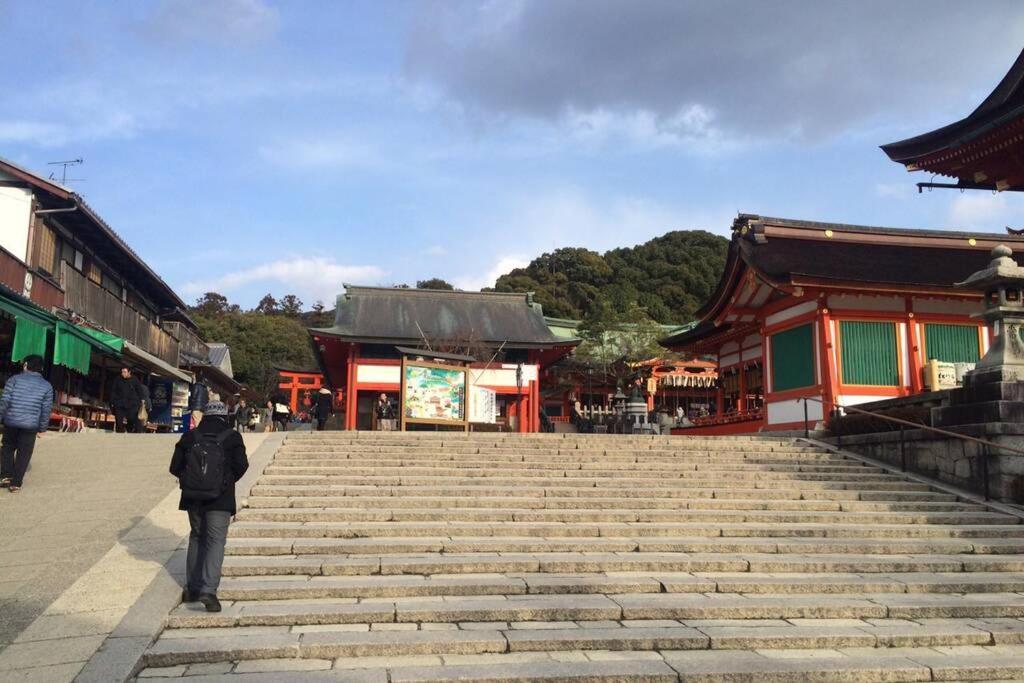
[25,408]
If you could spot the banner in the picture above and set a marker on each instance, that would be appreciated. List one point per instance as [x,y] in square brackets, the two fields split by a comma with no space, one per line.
[483,405]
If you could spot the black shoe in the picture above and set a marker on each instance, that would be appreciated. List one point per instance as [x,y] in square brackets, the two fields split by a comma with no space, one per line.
[189,596]
[210,602]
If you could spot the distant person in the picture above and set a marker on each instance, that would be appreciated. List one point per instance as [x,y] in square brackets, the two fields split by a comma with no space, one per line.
[197,401]
[208,461]
[243,413]
[385,414]
[127,398]
[25,408]
[324,408]
[280,413]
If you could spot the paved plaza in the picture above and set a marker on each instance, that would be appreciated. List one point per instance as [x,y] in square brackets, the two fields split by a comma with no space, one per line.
[95,523]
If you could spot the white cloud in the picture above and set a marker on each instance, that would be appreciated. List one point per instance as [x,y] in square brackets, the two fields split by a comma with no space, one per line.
[310,278]
[903,190]
[984,211]
[321,153]
[221,21]
[501,266]
[436,250]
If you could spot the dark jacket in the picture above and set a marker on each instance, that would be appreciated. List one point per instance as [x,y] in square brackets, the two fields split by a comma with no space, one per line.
[27,402]
[234,451]
[384,410]
[127,394]
[324,406]
[199,397]
[242,415]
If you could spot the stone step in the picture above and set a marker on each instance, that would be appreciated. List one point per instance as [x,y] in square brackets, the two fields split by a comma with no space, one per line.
[264,643]
[577,478]
[623,465]
[514,517]
[384,504]
[408,557]
[529,570]
[921,493]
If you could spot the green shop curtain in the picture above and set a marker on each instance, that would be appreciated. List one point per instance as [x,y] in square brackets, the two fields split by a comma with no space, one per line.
[111,341]
[29,339]
[71,350]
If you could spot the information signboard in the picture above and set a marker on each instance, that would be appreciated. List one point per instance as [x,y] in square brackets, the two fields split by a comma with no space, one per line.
[433,393]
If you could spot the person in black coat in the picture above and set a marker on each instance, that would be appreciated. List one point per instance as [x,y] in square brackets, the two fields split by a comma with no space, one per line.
[126,397]
[209,519]
[324,407]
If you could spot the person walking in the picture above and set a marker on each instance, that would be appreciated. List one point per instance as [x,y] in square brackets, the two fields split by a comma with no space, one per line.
[208,461]
[24,412]
[243,412]
[385,414]
[127,396]
[280,412]
[197,401]
[324,407]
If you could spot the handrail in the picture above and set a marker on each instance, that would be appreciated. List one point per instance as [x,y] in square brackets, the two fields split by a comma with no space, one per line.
[907,423]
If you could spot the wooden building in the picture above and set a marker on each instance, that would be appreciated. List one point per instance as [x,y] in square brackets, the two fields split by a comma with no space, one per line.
[505,333]
[983,151]
[837,313]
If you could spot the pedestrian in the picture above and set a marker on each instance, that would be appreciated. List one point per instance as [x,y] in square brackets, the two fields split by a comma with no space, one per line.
[197,401]
[127,398]
[324,407]
[281,413]
[208,461]
[385,414]
[25,408]
[243,412]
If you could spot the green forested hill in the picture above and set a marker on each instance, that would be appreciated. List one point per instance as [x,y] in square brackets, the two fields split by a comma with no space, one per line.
[669,276]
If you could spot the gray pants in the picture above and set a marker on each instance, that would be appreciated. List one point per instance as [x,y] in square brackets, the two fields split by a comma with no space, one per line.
[206,550]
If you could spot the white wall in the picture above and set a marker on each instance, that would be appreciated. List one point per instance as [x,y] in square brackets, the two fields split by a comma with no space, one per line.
[782,412]
[856,400]
[15,213]
[782,316]
[377,374]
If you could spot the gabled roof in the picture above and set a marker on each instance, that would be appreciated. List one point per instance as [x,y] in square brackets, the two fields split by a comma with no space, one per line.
[384,315]
[974,148]
[220,356]
[85,223]
[785,254]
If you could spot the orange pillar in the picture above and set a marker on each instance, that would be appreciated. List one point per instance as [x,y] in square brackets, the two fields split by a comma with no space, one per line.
[350,390]
[829,372]
[914,351]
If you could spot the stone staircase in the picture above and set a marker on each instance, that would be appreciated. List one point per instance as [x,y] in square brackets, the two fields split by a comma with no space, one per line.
[564,557]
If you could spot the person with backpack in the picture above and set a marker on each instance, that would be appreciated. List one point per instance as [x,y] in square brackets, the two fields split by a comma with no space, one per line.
[24,413]
[208,461]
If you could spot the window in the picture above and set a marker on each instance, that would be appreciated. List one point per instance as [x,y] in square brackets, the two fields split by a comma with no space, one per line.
[47,256]
[951,343]
[869,353]
[793,358]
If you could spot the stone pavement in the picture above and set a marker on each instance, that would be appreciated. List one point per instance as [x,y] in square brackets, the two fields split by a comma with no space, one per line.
[433,557]
[95,522]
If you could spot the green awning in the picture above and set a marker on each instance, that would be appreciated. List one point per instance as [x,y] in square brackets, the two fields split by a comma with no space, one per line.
[71,349]
[111,341]
[29,338]
[27,312]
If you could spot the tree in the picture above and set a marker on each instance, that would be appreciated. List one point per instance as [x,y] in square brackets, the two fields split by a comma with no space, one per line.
[291,306]
[615,337]
[213,303]
[669,276]
[267,305]
[318,317]
[434,283]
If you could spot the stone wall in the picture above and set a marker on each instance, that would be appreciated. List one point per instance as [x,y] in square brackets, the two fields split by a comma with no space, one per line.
[957,462]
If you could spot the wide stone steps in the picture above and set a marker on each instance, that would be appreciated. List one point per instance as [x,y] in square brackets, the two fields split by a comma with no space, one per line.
[419,557]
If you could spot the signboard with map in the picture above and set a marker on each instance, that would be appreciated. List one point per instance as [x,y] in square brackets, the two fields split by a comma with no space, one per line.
[433,393]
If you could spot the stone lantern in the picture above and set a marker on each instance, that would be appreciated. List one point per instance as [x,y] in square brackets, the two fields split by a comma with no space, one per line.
[1002,284]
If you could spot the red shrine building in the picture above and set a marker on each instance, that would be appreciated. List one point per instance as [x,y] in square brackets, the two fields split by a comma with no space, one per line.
[981,151]
[841,314]
[506,334]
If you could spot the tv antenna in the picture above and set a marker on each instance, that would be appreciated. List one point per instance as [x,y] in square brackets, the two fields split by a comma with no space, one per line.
[64,170]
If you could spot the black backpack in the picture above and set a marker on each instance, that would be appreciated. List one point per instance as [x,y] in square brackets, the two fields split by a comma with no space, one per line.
[206,467]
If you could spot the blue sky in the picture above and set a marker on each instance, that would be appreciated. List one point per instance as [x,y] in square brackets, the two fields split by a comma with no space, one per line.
[250,146]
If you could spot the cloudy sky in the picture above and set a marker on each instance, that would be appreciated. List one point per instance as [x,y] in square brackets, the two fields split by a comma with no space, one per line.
[249,146]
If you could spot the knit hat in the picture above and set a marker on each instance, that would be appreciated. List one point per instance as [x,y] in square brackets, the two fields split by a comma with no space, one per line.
[216,408]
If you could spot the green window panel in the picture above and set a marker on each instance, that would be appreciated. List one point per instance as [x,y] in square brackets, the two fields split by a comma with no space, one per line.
[951,343]
[869,353]
[793,358]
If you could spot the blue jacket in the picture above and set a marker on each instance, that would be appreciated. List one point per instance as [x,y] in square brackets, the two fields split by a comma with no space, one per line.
[26,402]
